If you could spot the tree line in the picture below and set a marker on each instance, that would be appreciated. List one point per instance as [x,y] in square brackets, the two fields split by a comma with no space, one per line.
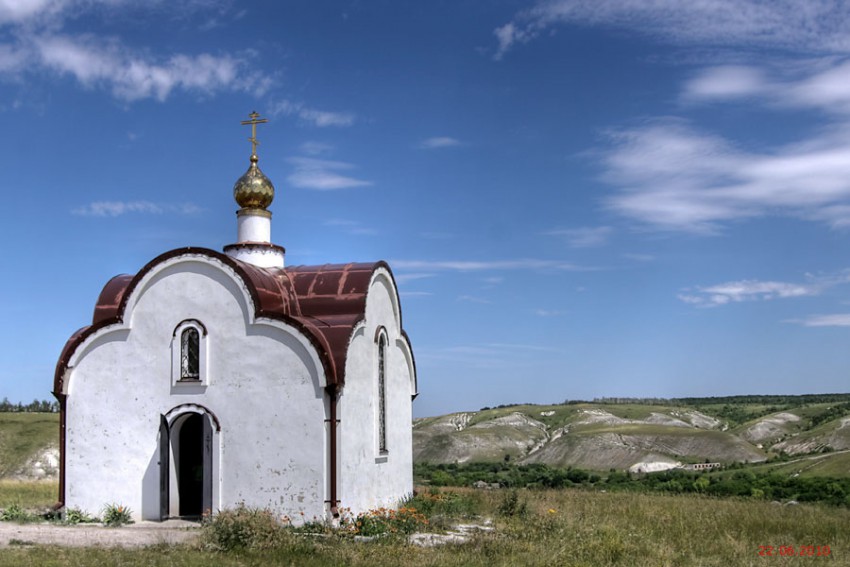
[42,406]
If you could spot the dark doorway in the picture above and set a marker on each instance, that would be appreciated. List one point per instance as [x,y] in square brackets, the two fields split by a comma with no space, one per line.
[190,465]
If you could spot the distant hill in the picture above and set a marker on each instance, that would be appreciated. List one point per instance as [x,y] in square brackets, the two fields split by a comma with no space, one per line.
[640,434]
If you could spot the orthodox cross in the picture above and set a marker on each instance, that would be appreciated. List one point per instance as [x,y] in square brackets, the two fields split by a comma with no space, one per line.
[254,120]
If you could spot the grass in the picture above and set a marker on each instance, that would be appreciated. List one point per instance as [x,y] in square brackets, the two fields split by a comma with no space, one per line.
[24,434]
[545,528]
[36,494]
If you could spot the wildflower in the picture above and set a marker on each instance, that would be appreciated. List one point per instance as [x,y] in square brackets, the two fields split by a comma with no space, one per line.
[552,511]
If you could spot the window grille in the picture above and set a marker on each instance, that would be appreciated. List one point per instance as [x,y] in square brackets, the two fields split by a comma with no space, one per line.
[190,355]
[382,395]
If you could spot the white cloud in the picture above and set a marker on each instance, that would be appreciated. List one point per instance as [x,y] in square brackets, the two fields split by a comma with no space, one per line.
[19,11]
[674,177]
[12,59]
[132,76]
[118,208]
[812,26]
[322,174]
[822,84]
[727,82]
[320,118]
[833,320]
[756,290]
[495,265]
[34,47]
[585,237]
[439,142]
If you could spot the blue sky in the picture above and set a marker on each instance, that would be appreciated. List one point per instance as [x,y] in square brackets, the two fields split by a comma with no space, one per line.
[578,198]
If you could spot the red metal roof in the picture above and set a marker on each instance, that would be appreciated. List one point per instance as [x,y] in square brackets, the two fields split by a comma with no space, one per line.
[324,302]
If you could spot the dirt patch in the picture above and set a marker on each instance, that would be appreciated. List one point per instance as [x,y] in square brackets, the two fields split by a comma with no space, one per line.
[134,535]
[44,465]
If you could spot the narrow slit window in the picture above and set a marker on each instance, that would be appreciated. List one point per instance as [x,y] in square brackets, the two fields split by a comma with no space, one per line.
[190,354]
[382,395]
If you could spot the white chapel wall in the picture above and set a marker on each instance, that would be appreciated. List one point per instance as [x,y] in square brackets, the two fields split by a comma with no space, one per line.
[368,479]
[264,385]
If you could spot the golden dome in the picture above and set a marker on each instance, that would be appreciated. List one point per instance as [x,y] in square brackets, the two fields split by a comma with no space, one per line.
[253,190]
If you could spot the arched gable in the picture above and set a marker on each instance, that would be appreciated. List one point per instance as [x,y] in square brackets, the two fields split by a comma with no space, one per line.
[261,298]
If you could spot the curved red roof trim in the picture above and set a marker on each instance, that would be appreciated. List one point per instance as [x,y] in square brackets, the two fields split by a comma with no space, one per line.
[324,302]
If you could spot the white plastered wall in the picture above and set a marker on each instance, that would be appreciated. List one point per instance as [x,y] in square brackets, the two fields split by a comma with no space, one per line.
[368,479]
[264,383]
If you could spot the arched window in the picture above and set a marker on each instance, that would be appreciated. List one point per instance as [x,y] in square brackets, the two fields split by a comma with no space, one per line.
[382,393]
[190,354]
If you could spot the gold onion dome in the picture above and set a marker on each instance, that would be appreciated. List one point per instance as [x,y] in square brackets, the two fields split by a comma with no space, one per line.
[253,190]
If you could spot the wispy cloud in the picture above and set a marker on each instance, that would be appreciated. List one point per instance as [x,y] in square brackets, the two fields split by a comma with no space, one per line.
[812,26]
[822,84]
[322,174]
[34,45]
[404,278]
[415,293]
[118,208]
[585,237]
[756,290]
[438,142]
[548,312]
[473,299]
[674,177]
[487,355]
[316,148]
[832,320]
[133,76]
[639,257]
[320,118]
[351,227]
[746,290]
[494,265]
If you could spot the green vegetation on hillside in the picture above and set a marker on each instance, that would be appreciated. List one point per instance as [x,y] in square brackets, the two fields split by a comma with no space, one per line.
[22,435]
[765,485]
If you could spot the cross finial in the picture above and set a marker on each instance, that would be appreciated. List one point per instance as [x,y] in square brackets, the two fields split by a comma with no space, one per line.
[254,120]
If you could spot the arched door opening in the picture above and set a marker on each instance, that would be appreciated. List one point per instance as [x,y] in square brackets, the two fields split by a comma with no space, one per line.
[186,466]
[189,462]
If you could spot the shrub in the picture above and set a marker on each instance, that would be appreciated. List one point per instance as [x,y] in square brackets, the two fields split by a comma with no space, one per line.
[116,515]
[388,521]
[15,513]
[75,516]
[433,502]
[240,528]
[511,505]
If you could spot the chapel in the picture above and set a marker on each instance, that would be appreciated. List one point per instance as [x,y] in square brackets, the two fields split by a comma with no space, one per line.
[211,379]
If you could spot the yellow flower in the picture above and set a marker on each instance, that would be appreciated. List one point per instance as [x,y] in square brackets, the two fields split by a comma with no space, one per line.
[552,511]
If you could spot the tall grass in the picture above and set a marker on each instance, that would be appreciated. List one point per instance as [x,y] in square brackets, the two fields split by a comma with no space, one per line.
[546,528]
[35,494]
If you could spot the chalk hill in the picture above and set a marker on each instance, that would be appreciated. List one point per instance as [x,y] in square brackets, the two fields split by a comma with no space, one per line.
[648,436]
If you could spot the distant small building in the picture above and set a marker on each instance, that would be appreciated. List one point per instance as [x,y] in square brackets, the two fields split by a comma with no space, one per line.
[210,379]
[701,466]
